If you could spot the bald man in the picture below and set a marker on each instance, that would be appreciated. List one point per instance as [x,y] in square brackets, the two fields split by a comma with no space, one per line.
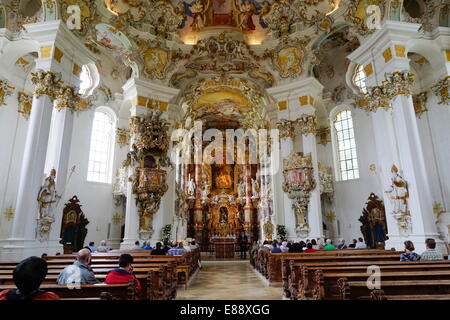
[79,272]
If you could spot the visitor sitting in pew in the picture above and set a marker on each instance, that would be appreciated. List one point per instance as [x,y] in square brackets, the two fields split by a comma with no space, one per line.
[137,245]
[284,246]
[158,251]
[296,247]
[124,273]
[329,245]
[102,247]
[353,244]
[86,274]
[309,248]
[193,244]
[360,244]
[409,255]
[177,251]
[28,276]
[314,244]
[147,246]
[431,253]
[275,248]
[341,244]
[91,246]
[186,246]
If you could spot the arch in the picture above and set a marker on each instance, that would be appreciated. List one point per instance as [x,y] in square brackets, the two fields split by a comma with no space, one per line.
[101,148]
[2,17]
[344,144]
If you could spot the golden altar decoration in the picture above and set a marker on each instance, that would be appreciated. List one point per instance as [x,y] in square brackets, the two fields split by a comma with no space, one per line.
[223,218]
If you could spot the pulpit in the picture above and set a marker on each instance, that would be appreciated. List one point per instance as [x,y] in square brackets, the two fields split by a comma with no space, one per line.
[224,247]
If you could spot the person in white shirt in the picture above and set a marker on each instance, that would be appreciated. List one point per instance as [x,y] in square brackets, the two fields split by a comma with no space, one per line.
[284,246]
[360,244]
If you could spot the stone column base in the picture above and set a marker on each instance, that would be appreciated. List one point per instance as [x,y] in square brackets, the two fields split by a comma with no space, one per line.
[19,249]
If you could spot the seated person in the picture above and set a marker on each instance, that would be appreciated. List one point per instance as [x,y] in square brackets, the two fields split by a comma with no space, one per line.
[309,247]
[296,247]
[158,251]
[360,244]
[177,251]
[91,246]
[431,253]
[186,246]
[409,255]
[137,245]
[341,244]
[86,274]
[147,246]
[124,273]
[329,245]
[28,276]
[353,244]
[275,248]
[102,247]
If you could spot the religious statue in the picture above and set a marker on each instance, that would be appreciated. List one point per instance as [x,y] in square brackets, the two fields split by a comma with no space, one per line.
[399,197]
[47,196]
[255,188]
[191,188]
[241,190]
[246,11]
[223,215]
[205,192]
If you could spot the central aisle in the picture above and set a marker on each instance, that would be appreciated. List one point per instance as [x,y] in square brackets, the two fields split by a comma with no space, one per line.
[228,280]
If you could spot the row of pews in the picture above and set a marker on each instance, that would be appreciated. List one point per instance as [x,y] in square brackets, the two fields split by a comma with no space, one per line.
[159,276]
[351,274]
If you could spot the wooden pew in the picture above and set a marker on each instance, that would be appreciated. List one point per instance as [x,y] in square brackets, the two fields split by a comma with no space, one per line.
[306,281]
[291,264]
[331,285]
[125,291]
[397,290]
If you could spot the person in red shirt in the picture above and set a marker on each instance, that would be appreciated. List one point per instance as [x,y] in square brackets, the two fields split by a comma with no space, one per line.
[309,248]
[28,276]
[124,273]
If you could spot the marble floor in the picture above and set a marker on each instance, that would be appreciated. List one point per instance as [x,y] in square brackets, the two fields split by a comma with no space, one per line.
[228,280]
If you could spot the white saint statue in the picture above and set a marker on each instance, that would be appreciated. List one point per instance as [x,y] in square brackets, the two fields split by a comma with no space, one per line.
[191,188]
[205,192]
[47,196]
[241,190]
[255,188]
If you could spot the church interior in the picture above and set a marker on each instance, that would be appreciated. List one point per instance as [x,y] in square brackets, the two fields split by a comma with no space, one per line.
[227,126]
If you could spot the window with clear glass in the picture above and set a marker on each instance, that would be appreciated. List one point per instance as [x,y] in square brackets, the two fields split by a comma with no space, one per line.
[359,79]
[347,160]
[102,147]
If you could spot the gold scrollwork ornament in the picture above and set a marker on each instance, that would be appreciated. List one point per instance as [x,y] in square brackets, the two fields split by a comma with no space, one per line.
[46,83]
[441,90]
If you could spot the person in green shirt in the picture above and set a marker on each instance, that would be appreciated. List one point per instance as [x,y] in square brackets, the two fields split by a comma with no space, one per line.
[329,245]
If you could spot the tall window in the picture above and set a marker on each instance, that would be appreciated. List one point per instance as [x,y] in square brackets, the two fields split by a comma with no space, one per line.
[359,79]
[347,160]
[102,147]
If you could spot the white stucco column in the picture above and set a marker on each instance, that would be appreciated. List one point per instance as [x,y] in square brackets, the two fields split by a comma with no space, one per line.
[55,45]
[142,95]
[396,132]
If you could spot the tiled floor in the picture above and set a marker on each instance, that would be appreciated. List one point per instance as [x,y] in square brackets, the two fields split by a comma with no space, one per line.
[228,280]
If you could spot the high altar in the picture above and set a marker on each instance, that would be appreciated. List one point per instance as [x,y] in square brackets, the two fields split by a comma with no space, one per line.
[221,204]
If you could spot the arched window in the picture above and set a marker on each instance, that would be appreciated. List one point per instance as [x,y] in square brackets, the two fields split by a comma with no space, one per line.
[345,146]
[102,147]
[359,79]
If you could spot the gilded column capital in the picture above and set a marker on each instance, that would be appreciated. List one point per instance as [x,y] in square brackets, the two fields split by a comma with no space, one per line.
[67,97]
[307,124]
[441,90]
[376,97]
[46,82]
[420,103]
[286,128]
[398,83]
[5,90]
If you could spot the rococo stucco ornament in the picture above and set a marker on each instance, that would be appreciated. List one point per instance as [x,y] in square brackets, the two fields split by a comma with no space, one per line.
[46,83]
[307,124]
[441,90]
[25,103]
[286,128]
[66,97]
[5,90]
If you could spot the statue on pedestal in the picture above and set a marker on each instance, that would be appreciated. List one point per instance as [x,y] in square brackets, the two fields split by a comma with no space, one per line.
[255,189]
[47,197]
[191,188]
[399,198]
